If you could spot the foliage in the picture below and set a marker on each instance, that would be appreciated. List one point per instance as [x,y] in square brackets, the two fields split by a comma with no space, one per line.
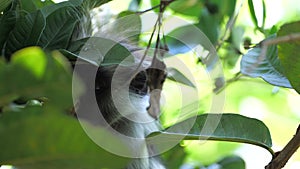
[288,54]
[36,79]
[269,67]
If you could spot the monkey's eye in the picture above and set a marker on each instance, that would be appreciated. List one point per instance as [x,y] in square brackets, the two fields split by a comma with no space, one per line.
[138,84]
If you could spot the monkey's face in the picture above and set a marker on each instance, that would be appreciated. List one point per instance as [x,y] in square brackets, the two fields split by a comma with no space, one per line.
[122,94]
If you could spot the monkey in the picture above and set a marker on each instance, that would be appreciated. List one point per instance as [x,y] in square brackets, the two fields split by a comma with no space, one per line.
[138,93]
[140,99]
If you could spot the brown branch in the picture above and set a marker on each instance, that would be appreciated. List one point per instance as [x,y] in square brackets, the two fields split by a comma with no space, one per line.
[282,157]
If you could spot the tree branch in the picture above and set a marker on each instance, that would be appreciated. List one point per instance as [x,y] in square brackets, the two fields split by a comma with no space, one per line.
[276,41]
[283,156]
[165,2]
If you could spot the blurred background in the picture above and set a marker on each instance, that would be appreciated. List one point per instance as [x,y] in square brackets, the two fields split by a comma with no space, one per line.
[277,107]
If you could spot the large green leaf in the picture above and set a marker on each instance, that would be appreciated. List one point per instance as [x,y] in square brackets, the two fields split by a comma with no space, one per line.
[4,4]
[83,4]
[33,74]
[50,9]
[7,23]
[32,59]
[79,4]
[27,32]
[185,38]
[36,139]
[59,28]
[218,127]
[127,26]
[188,7]
[224,8]
[232,162]
[90,4]
[267,67]
[33,5]
[289,54]
[209,24]
[100,51]
[174,158]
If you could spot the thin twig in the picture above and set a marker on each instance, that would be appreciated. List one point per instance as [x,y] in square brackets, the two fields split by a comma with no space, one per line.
[147,10]
[162,6]
[166,3]
[236,77]
[148,45]
[283,156]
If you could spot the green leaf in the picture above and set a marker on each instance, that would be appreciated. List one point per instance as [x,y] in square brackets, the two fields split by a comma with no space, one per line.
[59,28]
[50,9]
[264,13]
[36,139]
[218,127]
[4,4]
[33,5]
[185,38]
[28,6]
[226,8]
[209,24]
[155,3]
[57,82]
[7,23]
[233,162]
[174,158]
[33,59]
[41,4]
[220,9]
[27,32]
[254,17]
[28,76]
[177,76]
[91,4]
[289,54]
[187,7]
[267,67]
[100,51]
[127,26]
[252,13]
[21,76]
